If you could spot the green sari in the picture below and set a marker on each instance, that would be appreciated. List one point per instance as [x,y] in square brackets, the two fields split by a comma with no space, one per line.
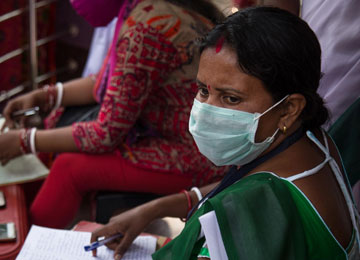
[261,216]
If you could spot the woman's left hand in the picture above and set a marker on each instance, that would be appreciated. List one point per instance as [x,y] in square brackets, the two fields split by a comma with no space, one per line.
[10,146]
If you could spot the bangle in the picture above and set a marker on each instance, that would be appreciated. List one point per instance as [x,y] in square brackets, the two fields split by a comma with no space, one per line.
[50,96]
[188,202]
[60,92]
[32,140]
[22,137]
[25,141]
[197,192]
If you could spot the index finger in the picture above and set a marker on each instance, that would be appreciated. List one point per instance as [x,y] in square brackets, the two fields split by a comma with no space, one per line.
[94,237]
[100,232]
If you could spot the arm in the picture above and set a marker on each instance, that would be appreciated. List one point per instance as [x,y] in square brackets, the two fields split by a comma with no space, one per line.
[53,140]
[131,223]
[76,92]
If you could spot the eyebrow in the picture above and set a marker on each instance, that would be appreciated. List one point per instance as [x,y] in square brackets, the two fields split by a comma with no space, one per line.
[200,83]
[221,89]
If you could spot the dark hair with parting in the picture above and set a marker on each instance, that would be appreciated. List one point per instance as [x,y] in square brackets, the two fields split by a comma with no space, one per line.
[203,7]
[281,50]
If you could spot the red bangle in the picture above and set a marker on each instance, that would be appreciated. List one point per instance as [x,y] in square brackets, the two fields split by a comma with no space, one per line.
[25,141]
[188,202]
[50,97]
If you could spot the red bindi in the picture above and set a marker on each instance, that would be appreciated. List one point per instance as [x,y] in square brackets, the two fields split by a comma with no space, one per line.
[208,86]
[219,44]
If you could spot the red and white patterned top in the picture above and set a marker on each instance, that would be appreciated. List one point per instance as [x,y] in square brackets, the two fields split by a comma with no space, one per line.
[145,110]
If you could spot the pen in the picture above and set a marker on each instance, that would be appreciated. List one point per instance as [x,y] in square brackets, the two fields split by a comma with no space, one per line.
[25,112]
[96,244]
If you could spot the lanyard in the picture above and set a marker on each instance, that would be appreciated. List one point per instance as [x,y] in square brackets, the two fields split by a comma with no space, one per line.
[234,174]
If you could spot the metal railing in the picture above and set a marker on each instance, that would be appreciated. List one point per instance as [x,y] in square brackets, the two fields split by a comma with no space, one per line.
[31,48]
[20,11]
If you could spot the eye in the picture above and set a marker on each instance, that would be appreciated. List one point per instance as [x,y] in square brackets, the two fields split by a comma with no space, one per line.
[231,100]
[203,92]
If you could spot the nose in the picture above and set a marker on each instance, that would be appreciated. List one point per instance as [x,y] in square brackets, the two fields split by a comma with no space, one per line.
[213,100]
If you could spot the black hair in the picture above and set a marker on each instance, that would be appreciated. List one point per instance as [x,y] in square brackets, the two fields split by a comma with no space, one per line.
[281,50]
[203,7]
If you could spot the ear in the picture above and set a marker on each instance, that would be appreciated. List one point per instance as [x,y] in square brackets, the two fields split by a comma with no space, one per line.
[291,110]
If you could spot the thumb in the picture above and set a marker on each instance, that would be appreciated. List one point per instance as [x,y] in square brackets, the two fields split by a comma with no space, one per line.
[4,126]
[8,123]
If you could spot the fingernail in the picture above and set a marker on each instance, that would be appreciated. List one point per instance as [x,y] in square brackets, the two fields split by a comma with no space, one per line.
[117,257]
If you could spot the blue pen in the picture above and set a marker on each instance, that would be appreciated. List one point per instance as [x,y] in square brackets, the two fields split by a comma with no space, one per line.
[96,244]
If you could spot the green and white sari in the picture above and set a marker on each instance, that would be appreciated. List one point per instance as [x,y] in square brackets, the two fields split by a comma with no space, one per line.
[264,216]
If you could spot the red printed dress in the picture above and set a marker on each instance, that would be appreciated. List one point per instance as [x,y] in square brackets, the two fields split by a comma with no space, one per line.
[148,94]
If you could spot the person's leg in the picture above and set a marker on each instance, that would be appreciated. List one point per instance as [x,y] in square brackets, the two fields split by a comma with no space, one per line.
[74,175]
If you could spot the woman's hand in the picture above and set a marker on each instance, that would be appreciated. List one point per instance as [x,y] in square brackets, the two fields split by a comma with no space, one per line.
[10,146]
[29,100]
[130,223]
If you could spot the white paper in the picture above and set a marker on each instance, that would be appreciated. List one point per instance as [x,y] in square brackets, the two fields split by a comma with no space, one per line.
[22,169]
[210,226]
[47,243]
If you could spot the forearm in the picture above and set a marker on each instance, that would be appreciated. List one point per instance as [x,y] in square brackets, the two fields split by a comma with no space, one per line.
[78,92]
[175,205]
[55,140]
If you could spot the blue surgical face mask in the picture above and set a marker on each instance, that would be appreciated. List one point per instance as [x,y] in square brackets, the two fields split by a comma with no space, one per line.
[227,136]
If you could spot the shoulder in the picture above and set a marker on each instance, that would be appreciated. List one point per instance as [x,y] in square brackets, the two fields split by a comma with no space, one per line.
[257,187]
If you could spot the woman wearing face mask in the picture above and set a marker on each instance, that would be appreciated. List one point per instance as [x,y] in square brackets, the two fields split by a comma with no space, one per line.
[286,197]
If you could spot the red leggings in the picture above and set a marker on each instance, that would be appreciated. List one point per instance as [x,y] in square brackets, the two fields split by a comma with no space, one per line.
[74,175]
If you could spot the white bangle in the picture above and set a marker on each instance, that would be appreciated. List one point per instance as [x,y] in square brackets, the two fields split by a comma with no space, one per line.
[60,92]
[197,192]
[32,140]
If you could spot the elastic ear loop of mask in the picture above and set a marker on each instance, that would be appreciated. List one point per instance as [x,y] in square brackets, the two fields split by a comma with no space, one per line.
[267,110]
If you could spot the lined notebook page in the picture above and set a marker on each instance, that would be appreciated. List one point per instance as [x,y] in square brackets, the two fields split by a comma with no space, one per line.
[46,243]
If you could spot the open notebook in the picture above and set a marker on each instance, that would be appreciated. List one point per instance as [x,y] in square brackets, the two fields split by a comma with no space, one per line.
[56,244]
[21,169]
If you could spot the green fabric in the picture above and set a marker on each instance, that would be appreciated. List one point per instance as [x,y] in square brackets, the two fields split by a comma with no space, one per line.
[204,252]
[346,134]
[317,233]
[258,219]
